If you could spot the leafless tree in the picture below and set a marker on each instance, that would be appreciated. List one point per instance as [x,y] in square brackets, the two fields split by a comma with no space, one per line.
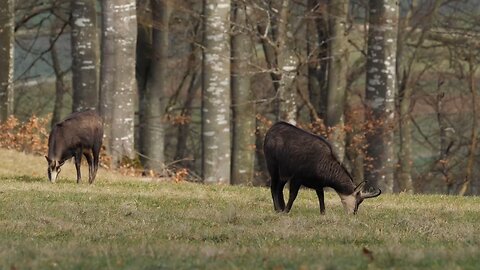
[243,105]
[7,25]
[85,54]
[118,84]
[216,133]
[381,88]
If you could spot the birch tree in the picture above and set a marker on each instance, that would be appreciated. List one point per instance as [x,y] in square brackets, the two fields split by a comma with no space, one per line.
[7,26]
[85,54]
[243,107]
[153,131]
[380,91]
[287,65]
[216,92]
[119,32]
[337,72]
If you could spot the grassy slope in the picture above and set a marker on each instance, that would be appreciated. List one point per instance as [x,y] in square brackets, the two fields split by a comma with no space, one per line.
[121,222]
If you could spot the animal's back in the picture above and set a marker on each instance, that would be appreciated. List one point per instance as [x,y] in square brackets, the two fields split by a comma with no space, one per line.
[284,138]
[296,151]
[307,157]
[85,128]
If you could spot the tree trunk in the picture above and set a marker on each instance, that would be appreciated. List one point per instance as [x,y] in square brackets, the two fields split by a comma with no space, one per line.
[216,145]
[143,62]
[118,80]
[317,51]
[354,152]
[380,91]
[405,182]
[243,107]
[473,137]
[183,129]
[337,73]
[107,71]
[7,26]
[194,85]
[153,135]
[287,66]
[444,155]
[60,87]
[355,143]
[85,54]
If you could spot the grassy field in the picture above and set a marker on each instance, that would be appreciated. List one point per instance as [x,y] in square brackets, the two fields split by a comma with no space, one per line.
[130,223]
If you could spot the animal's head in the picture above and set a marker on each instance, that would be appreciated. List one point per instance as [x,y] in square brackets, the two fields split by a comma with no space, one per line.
[53,169]
[352,201]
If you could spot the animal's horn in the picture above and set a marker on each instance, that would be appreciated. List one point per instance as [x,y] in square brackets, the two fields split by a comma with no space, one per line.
[360,186]
[371,194]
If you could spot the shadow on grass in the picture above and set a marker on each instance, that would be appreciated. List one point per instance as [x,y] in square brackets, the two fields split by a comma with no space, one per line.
[36,179]
[29,179]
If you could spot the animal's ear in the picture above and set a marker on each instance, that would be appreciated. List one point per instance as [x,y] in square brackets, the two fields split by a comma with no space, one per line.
[360,187]
[48,160]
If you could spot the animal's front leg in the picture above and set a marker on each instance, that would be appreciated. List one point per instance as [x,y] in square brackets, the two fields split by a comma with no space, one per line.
[321,200]
[78,161]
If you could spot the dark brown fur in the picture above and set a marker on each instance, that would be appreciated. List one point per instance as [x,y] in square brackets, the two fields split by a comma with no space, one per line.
[81,133]
[304,159]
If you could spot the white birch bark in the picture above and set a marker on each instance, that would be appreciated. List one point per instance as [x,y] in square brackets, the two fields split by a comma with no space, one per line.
[287,66]
[216,145]
[118,76]
[7,25]
[380,90]
[85,54]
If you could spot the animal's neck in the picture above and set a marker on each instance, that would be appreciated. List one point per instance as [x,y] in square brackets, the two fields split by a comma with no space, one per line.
[343,186]
[54,149]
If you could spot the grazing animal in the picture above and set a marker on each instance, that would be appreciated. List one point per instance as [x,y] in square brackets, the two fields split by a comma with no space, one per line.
[81,133]
[305,159]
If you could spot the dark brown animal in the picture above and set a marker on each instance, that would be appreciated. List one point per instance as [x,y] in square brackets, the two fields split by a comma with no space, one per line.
[305,159]
[81,133]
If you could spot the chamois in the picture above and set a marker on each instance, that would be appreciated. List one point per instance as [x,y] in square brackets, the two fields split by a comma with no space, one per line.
[81,133]
[305,159]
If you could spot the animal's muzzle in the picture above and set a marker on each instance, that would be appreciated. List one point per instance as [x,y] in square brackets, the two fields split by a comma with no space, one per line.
[53,176]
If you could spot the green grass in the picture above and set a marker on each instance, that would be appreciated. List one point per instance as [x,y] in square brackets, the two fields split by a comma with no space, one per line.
[126,223]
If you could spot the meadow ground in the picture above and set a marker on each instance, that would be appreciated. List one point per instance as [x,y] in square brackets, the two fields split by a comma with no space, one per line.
[129,223]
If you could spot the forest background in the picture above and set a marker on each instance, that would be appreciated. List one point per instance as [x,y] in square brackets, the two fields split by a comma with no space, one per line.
[188,88]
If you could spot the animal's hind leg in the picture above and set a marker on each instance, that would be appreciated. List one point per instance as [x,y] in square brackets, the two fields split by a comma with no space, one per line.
[78,161]
[276,187]
[321,200]
[96,155]
[88,156]
[281,199]
[294,187]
